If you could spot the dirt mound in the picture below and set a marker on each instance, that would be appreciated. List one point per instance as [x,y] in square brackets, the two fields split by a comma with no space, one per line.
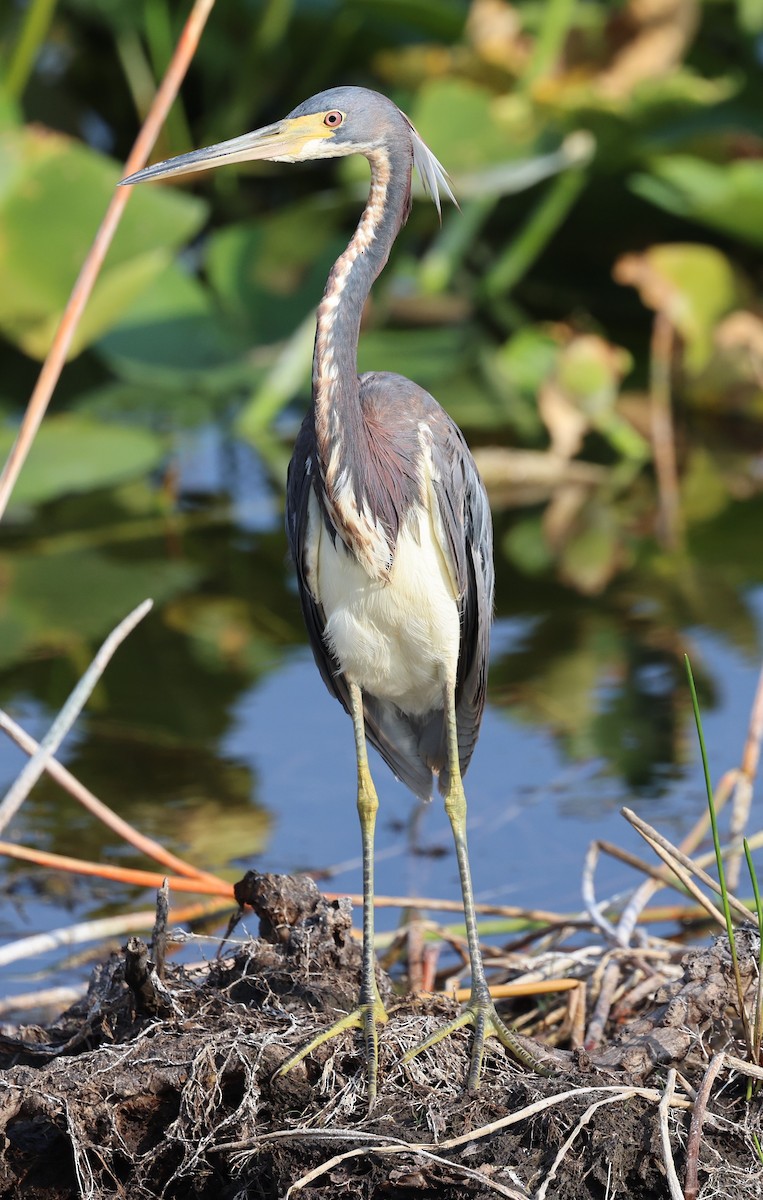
[166,1088]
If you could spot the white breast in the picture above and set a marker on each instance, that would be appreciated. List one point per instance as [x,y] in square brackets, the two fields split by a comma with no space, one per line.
[397,639]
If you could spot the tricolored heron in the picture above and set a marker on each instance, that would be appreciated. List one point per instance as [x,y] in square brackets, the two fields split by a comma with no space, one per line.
[390,530]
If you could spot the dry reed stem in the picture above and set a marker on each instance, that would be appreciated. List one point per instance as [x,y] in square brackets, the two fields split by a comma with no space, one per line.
[403,1148]
[568,1143]
[604,1001]
[663,438]
[689,864]
[56,357]
[685,877]
[505,991]
[743,1066]
[51,998]
[742,799]
[94,931]
[576,1010]
[539,1106]
[28,776]
[665,875]
[751,753]
[592,906]
[539,916]
[150,879]
[659,874]
[667,1153]
[691,1185]
[107,816]
[676,859]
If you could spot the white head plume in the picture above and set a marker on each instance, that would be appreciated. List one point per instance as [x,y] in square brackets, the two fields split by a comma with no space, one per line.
[433,174]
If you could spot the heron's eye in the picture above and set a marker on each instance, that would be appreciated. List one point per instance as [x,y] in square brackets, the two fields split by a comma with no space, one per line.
[333,119]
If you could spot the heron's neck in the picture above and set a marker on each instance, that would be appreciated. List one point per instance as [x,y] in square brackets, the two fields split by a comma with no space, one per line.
[336,393]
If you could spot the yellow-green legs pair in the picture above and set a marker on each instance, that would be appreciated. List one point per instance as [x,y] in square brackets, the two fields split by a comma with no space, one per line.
[479,1011]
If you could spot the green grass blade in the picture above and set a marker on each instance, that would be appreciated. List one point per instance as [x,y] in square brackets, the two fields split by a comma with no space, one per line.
[758,1021]
[719,860]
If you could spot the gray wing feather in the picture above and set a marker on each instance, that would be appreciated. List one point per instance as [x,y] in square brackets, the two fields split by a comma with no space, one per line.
[465,517]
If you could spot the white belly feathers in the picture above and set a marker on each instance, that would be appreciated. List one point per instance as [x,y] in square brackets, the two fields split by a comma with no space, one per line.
[397,639]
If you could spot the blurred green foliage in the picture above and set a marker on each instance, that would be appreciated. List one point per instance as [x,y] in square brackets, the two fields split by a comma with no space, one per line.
[609,162]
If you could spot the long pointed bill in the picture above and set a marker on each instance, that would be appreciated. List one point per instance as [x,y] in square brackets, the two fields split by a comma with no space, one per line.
[285,141]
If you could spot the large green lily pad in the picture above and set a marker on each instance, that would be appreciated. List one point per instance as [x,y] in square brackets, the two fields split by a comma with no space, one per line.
[53,195]
[74,454]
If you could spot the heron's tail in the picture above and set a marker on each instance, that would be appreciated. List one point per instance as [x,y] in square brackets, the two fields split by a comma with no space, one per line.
[416,748]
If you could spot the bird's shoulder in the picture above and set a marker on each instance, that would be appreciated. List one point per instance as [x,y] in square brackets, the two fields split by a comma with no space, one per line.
[382,390]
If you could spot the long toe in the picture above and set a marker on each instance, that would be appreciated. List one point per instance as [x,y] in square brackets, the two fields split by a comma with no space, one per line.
[367,1017]
[481,1014]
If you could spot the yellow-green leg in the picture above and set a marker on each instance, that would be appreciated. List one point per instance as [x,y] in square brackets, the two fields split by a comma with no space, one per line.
[370,1011]
[479,1010]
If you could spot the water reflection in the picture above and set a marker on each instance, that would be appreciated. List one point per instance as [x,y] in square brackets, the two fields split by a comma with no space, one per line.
[212,731]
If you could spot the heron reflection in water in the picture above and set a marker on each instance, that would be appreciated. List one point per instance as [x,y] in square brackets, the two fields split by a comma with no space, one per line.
[390,531]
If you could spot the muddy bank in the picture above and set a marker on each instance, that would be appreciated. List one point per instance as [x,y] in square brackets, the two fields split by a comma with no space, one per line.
[166,1087]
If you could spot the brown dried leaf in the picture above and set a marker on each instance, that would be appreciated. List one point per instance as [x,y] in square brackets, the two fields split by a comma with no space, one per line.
[657,34]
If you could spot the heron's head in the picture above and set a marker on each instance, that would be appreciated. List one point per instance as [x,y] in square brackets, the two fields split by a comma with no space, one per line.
[340,121]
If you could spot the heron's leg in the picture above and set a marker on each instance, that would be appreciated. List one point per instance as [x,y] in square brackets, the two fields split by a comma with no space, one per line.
[370,1011]
[479,1010]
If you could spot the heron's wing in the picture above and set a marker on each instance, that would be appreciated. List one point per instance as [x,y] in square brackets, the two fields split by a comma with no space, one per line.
[463,524]
[386,727]
[299,486]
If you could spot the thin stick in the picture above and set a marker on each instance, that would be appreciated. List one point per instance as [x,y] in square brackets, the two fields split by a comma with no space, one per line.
[610,979]
[567,1144]
[659,874]
[94,931]
[751,754]
[19,790]
[149,879]
[685,877]
[54,363]
[682,866]
[743,1066]
[107,816]
[57,998]
[506,991]
[539,1106]
[593,908]
[403,1148]
[667,1151]
[742,802]
[536,916]
[691,1185]
[663,437]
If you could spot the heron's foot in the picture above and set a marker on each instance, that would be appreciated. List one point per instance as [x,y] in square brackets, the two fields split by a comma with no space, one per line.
[367,1017]
[481,1014]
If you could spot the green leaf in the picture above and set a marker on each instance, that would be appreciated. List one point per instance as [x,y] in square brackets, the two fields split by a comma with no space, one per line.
[174,335]
[518,369]
[526,546]
[727,196]
[53,195]
[459,120]
[595,552]
[423,355]
[51,601]
[73,454]
[704,493]
[268,274]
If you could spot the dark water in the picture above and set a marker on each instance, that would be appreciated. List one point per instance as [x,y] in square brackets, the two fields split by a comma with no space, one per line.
[212,730]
